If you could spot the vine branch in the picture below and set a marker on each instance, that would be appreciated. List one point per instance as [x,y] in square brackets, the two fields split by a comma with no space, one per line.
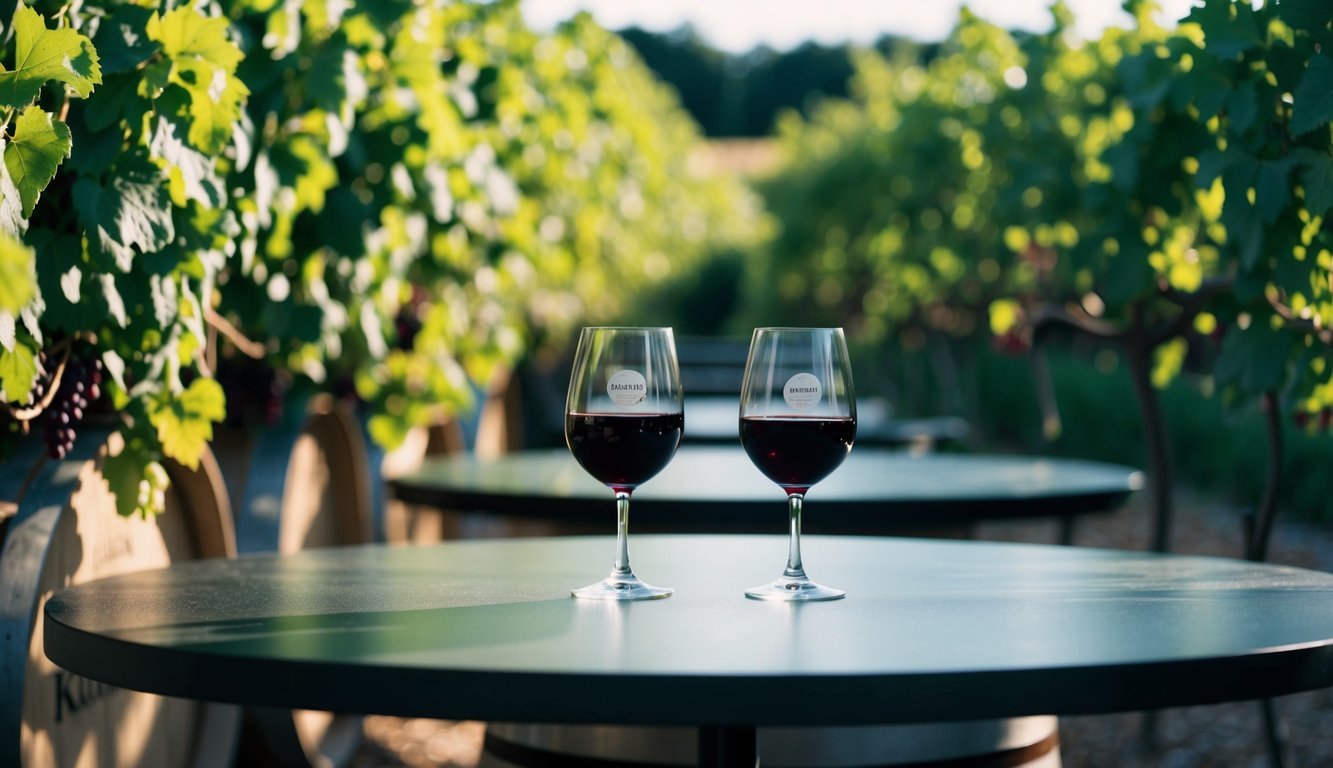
[248,347]
[63,348]
[1303,324]
[1191,303]
[1075,317]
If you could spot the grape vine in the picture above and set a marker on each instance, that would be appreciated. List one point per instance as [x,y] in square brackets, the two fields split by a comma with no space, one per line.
[390,201]
[1164,189]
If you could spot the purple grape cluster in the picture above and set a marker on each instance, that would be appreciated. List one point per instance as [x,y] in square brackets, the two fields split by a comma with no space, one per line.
[80,386]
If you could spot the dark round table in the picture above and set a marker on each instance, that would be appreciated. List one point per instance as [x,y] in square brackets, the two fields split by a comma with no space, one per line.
[720,490]
[713,420]
[930,631]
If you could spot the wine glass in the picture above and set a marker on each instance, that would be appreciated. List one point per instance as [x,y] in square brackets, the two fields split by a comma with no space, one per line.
[797,423]
[624,417]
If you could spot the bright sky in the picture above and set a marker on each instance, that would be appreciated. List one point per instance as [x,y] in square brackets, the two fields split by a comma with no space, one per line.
[739,25]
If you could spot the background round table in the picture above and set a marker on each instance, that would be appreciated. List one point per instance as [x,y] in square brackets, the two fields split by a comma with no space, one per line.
[713,419]
[720,490]
[930,631]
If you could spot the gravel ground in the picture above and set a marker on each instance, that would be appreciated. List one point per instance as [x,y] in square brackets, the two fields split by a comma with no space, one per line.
[1221,736]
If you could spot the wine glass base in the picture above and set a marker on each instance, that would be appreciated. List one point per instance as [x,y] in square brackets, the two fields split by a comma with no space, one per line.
[794,589]
[621,588]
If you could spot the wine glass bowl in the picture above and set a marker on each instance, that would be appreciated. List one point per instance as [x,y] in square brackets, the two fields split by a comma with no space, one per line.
[797,425]
[624,417]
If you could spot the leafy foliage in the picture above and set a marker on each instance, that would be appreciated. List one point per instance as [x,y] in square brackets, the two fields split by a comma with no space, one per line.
[44,55]
[117,263]
[382,200]
[940,188]
[444,168]
[1161,185]
[17,283]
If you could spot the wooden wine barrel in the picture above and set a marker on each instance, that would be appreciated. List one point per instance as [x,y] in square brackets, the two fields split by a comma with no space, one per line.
[1023,742]
[413,523]
[500,419]
[496,427]
[65,530]
[300,484]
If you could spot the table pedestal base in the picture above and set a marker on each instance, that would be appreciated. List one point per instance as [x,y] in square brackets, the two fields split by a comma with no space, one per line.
[728,747]
[1024,742]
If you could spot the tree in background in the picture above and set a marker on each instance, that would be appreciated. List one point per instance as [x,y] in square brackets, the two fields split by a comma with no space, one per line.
[742,95]
[1152,188]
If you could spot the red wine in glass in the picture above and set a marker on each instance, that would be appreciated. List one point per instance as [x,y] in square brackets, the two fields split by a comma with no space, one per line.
[794,451]
[623,451]
[624,417]
[797,424]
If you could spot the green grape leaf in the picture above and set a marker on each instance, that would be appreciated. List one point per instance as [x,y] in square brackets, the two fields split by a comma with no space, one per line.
[1243,220]
[1245,231]
[1243,107]
[71,285]
[1228,28]
[130,213]
[1124,160]
[154,78]
[1127,275]
[335,82]
[184,422]
[1272,191]
[113,301]
[1212,87]
[267,184]
[12,220]
[189,169]
[42,54]
[165,298]
[117,99]
[17,275]
[135,478]
[204,65]
[1290,276]
[31,317]
[123,473]
[1254,359]
[59,255]
[1135,71]
[115,368]
[93,152]
[303,165]
[1313,98]
[1317,181]
[185,33]
[324,14]
[212,120]
[18,371]
[1212,164]
[40,142]
[121,42]
[1309,15]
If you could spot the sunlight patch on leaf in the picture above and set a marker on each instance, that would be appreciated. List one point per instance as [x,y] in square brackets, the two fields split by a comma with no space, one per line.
[41,55]
[184,422]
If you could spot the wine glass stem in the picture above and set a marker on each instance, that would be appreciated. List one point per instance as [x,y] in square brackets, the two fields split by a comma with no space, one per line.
[622,535]
[795,569]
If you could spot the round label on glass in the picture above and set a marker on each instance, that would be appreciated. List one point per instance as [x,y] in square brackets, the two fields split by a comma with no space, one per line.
[802,390]
[626,388]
